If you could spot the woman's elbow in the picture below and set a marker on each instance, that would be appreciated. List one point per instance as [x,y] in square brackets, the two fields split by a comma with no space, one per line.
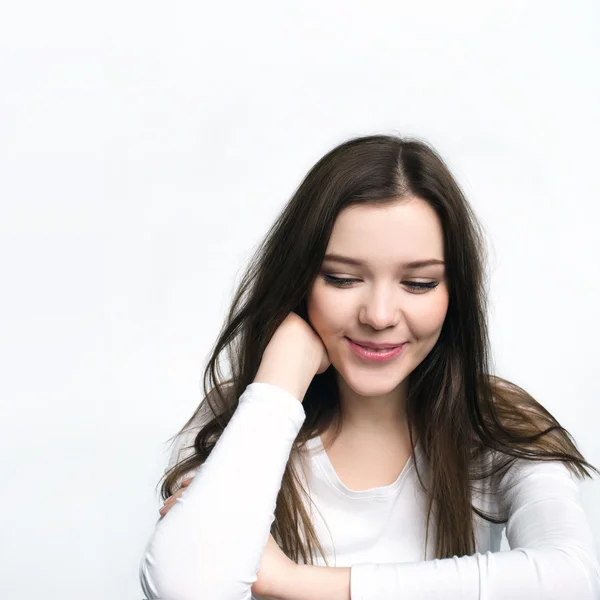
[160,582]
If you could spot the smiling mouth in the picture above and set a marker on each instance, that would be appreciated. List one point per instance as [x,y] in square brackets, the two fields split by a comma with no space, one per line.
[382,355]
[375,346]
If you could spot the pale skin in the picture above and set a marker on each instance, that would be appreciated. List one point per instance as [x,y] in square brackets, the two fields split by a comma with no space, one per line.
[383,304]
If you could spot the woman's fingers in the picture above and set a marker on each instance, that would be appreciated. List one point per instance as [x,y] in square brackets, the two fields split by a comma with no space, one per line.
[172,499]
[166,507]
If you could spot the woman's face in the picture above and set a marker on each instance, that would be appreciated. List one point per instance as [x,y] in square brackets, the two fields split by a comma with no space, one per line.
[388,301]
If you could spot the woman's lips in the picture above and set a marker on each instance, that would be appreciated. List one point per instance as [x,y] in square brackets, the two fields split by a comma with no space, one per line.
[374,355]
[376,346]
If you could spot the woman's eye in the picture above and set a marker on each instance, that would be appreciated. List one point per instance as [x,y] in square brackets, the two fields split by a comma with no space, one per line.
[339,281]
[414,285]
[421,287]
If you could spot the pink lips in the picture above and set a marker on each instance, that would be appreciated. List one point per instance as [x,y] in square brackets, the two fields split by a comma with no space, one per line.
[376,346]
[372,355]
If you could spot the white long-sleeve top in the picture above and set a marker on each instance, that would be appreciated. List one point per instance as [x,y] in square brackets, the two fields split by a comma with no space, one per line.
[209,545]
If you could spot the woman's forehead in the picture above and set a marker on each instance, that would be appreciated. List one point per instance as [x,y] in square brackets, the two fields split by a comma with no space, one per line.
[401,233]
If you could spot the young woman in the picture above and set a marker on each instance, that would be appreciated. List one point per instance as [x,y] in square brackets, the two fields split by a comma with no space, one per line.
[361,447]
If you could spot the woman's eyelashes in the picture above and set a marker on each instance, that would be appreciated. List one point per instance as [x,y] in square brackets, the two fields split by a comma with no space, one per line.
[419,287]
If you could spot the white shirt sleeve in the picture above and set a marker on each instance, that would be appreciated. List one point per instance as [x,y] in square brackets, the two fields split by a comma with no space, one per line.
[552,554]
[209,545]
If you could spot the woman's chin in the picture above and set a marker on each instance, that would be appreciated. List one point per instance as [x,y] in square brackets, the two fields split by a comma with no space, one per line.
[369,384]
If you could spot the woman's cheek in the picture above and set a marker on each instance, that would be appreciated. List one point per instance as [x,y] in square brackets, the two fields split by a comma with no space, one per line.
[427,317]
[328,316]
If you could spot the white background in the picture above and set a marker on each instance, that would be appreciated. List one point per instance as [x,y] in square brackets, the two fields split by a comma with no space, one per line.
[146,147]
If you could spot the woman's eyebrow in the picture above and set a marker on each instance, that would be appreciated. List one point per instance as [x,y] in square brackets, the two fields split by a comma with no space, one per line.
[415,264]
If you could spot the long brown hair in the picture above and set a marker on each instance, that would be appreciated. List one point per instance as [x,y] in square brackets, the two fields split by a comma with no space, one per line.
[457,407]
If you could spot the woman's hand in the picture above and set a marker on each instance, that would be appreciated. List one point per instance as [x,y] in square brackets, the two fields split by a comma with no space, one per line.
[295,333]
[166,507]
[294,355]
[314,341]
[276,573]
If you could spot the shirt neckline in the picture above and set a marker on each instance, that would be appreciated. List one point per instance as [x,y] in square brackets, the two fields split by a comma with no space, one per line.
[331,477]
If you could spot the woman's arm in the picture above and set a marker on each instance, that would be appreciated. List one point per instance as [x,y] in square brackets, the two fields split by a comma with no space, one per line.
[552,554]
[210,543]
